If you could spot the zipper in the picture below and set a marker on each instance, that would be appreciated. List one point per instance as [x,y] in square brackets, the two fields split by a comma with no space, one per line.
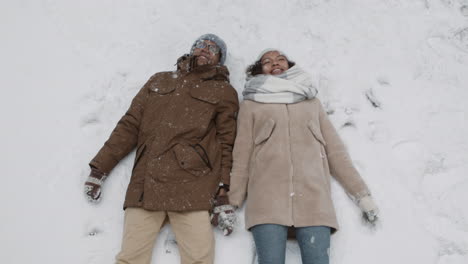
[291,170]
[140,154]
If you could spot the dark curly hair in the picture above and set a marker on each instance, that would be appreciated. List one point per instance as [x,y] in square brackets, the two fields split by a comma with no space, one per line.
[256,68]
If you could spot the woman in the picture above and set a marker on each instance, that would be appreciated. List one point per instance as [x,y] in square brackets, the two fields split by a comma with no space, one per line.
[285,151]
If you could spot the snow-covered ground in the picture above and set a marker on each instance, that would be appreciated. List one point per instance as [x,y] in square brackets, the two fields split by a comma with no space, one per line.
[392,73]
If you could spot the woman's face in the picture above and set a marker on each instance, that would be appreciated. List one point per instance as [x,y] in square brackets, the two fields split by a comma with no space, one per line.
[274,63]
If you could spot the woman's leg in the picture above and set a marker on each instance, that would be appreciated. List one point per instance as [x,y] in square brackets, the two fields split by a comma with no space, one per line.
[270,241]
[314,242]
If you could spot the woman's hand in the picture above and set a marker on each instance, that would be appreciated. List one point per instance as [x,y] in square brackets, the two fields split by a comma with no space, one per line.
[369,209]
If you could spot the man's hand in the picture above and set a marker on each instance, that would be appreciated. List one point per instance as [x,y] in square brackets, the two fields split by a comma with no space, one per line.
[223,215]
[92,186]
[222,192]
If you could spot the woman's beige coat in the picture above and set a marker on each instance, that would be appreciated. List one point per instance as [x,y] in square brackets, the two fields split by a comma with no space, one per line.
[283,157]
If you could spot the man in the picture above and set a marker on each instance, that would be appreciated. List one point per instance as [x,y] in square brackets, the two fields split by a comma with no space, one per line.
[183,125]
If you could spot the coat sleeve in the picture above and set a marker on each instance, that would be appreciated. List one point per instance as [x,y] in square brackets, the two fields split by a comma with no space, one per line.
[124,137]
[243,148]
[339,161]
[225,121]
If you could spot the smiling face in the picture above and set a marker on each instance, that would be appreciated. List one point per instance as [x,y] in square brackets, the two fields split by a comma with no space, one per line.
[274,63]
[206,53]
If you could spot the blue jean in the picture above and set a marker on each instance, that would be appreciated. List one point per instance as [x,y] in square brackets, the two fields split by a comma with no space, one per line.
[270,241]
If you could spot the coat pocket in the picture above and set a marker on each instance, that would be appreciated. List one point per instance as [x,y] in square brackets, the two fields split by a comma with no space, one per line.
[207,92]
[317,133]
[315,129]
[265,132]
[262,138]
[193,159]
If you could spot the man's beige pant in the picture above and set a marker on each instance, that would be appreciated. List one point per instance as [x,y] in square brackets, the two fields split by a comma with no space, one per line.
[193,233]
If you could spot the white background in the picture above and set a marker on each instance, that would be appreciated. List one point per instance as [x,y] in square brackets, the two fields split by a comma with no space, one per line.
[69,70]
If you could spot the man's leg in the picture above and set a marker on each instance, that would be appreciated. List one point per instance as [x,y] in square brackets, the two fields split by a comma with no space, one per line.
[194,236]
[140,230]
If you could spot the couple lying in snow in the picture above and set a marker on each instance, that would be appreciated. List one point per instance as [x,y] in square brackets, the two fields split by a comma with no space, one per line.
[199,156]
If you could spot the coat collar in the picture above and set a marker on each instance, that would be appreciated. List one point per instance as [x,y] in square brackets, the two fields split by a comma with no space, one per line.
[186,65]
[196,75]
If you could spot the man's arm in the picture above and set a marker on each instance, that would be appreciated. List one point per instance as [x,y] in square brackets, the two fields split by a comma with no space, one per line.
[124,137]
[226,129]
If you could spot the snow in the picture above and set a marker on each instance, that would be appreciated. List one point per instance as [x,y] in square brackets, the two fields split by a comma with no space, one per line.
[393,73]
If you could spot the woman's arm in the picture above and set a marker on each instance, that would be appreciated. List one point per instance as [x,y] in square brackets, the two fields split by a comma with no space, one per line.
[243,148]
[339,161]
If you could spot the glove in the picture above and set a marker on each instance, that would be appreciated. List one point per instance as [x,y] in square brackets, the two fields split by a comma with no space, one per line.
[369,209]
[223,215]
[92,187]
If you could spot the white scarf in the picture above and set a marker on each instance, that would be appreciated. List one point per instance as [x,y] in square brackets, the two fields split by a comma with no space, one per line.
[291,86]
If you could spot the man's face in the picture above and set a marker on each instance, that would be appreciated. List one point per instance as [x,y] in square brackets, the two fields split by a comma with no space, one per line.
[206,53]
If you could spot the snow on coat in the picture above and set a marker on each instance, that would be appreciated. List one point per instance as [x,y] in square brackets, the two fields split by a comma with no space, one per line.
[183,126]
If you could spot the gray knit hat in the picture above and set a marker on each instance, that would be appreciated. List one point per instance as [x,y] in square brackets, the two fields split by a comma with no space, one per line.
[219,42]
[265,51]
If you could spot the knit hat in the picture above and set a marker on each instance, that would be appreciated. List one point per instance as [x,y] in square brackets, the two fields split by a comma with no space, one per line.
[265,51]
[219,42]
